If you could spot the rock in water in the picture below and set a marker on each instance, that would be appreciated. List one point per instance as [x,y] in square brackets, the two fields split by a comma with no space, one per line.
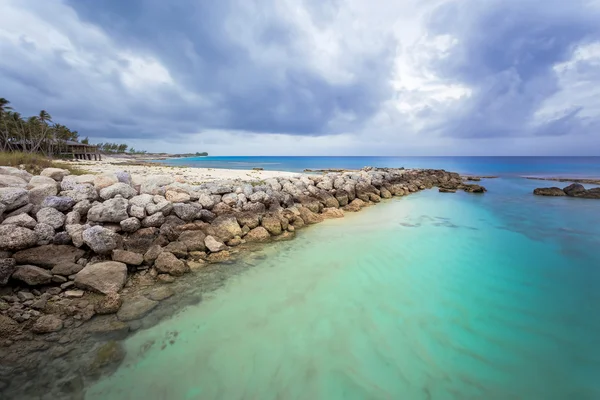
[135,308]
[259,234]
[167,263]
[105,277]
[574,190]
[551,191]
[213,244]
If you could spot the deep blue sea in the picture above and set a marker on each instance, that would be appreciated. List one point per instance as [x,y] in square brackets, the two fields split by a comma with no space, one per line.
[504,166]
[428,296]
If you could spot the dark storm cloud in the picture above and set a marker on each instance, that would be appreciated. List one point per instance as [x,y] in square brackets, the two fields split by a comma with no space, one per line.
[505,53]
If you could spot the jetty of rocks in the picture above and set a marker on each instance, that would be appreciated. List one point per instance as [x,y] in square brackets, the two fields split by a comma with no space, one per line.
[573,190]
[74,248]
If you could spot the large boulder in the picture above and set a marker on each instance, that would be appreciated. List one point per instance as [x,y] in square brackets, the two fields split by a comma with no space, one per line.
[32,275]
[55,173]
[45,233]
[309,217]
[66,269]
[177,196]
[13,198]
[23,220]
[551,191]
[51,216]
[141,200]
[154,220]
[130,225]
[50,255]
[14,238]
[113,210]
[7,267]
[249,219]
[272,223]
[8,326]
[135,308]
[75,232]
[213,244]
[155,184]
[591,194]
[574,190]
[332,213]
[227,227]
[119,188]
[187,212]
[40,180]
[12,181]
[19,173]
[259,234]
[206,201]
[38,194]
[167,263]
[105,277]
[193,240]
[101,240]
[81,192]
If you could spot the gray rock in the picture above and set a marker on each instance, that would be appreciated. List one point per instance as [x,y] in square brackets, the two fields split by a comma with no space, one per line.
[127,257]
[61,203]
[101,240]
[40,180]
[16,238]
[187,212]
[38,194]
[75,232]
[12,181]
[130,225]
[81,192]
[26,209]
[105,277]
[82,207]
[135,308]
[177,196]
[13,198]
[160,293]
[51,216]
[23,220]
[213,244]
[154,220]
[61,238]
[142,200]
[45,234]
[32,275]
[163,207]
[47,324]
[206,216]
[137,211]
[73,218]
[258,208]
[124,177]
[55,173]
[113,210]
[155,184]
[258,197]
[230,199]
[119,188]
[7,267]
[206,201]
[12,171]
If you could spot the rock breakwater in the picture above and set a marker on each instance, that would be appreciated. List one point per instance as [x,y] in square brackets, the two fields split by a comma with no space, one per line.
[80,255]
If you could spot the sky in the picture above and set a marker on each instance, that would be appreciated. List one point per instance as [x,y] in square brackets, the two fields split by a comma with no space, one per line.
[311,77]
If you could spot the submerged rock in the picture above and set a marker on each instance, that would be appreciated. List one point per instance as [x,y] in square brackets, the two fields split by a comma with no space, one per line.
[135,308]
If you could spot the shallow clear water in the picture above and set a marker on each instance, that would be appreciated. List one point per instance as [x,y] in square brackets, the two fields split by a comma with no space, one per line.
[432,296]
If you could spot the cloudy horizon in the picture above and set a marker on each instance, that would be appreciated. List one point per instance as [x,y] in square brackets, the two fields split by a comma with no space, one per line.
[331,77]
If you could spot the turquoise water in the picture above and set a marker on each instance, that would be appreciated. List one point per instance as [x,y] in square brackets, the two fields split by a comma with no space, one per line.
[503,166]
[431,296]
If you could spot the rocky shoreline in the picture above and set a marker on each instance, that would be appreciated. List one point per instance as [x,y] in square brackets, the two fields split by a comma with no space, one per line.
[573,190]
[86,260]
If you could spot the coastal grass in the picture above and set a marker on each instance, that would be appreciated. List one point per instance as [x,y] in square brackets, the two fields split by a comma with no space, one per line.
[34,163]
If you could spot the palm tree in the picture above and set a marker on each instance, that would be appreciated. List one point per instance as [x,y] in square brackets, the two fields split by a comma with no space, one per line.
[4,106]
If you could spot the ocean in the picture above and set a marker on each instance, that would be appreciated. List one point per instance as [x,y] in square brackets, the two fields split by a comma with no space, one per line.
[429,296]
[585,167]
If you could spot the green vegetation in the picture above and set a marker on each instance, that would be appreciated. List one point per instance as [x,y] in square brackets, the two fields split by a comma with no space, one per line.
[203,154]
[35,134]
[112,148]
[34,163]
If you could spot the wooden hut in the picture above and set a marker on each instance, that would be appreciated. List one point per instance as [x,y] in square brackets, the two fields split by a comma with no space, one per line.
[80,151]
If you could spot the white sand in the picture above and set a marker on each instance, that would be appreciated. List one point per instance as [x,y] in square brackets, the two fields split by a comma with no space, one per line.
[191,175]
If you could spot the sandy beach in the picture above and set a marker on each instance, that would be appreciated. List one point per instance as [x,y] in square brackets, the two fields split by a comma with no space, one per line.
[139,168]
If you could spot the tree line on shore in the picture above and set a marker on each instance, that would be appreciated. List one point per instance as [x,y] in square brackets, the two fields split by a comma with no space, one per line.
[40,134]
